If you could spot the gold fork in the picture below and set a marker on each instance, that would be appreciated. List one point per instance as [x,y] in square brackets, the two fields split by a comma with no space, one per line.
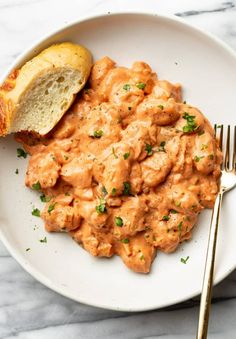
[228,181]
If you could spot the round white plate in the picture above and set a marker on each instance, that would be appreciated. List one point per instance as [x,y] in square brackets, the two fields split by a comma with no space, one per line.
[207,70]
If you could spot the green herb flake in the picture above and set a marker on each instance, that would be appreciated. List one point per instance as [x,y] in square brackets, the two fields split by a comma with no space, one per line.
[162,147]
[101,208]
[177,203]
[198,158]
[141,85]
[113,191]
[125,240]
[44,240]
[114,153]
[203,147]
[104,191]
[160,106]
[36,186]
[180,228]
[21,153]
[165,217]
[51,208]
[191,124]
[184,261]
[127,188]
[44,198]
[86,90]
[126,155]
[17,171]
[36,212]
[98,134]
[127,87]
[27,249]
[142,257]
[148,149]
[184,102]
[53,157]
[173,211]
[201,132]
[211,156]
[66,157]
[119,221]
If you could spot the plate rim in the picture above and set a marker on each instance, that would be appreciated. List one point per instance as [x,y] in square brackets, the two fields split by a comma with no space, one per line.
[32,50]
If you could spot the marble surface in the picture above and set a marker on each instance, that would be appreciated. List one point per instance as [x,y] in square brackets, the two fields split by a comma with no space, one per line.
[28,310]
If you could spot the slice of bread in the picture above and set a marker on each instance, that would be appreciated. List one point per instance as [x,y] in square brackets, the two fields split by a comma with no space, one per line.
[35,97]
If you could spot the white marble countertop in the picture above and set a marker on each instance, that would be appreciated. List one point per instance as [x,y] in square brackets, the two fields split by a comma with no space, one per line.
[28,310]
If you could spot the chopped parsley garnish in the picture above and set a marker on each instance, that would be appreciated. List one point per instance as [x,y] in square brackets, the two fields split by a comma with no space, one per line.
[21,153]
[17,171]
[178,203]
[98,133]
[162,147]
[203,147]
[51,207]
[211,156]
[66,157]
[101,208]
[142,257]
[126,155]
[161,106]
[148,149]
[141,85]
[201,132]
[43,198]
[125,240]
[113,191]
[104,191]
[43,240]
[36,186]
[173,211]
[127,188]
[127,87]
[184,102]
[180,228]
[36,212]
[113,152]
[86,90]
[165,217]
[184,261]
[27,249]
[119,221]
[197,159]
[191,124]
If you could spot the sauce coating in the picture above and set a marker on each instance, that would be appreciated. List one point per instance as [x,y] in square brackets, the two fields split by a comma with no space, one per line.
[129,168]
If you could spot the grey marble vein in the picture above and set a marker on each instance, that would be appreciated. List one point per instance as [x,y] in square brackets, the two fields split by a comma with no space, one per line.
[8,4]
[28,310]
[229,5]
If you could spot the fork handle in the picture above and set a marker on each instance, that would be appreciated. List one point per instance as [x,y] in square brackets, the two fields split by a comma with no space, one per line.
[209,270]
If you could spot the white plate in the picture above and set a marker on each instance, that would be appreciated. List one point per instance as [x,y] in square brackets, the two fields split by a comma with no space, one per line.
[207,70]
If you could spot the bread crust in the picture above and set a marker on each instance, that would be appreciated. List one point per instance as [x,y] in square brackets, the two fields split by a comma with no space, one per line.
[58,56]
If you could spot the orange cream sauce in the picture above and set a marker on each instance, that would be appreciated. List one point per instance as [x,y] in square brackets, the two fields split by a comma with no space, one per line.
[129,167]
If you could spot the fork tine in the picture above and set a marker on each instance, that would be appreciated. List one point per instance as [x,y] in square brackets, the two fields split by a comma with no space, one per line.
[215,129]
[234,151]
[227,151]
[221,143]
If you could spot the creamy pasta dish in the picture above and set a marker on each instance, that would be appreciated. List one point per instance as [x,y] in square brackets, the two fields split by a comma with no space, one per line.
[128,168]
